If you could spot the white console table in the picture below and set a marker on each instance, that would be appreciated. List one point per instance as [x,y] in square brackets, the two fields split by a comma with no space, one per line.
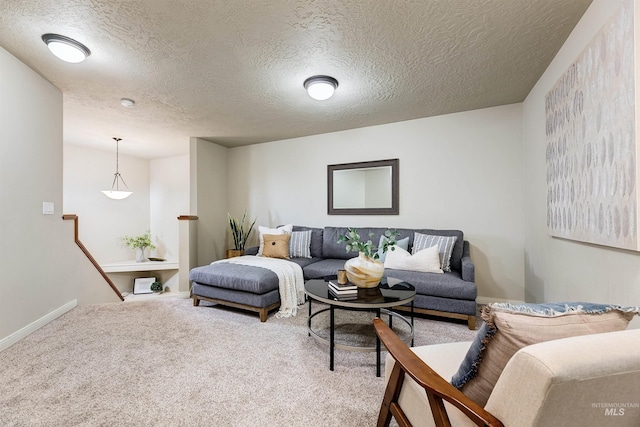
[127,266]
[123,274]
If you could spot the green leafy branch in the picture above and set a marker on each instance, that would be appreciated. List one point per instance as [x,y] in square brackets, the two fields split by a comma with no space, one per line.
[355,244]
[143,241]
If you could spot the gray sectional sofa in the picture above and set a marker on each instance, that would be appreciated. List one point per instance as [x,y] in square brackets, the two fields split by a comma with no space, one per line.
[452,294]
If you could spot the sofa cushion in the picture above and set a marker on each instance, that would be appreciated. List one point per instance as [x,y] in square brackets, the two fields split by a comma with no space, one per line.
[448,305]
[447,285]
[276,245]
[300,244]
[316,239]
[425,261]
[322,269]
[509,328]
[303,262]
[332,249]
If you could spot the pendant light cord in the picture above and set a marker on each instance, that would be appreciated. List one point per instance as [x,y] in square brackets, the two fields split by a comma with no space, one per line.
[117,174]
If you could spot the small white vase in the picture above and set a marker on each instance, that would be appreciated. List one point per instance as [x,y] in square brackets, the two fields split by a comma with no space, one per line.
[363,271]
[140,255]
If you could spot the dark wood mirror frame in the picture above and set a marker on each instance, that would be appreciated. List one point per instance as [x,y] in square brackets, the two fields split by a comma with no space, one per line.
[395,188]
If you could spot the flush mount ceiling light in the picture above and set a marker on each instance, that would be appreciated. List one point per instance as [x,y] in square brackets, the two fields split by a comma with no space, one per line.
[126,102]
[320,87]
[115,192]
[66,48]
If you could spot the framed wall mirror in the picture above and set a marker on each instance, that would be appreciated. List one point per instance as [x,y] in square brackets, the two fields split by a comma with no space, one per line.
[364,188]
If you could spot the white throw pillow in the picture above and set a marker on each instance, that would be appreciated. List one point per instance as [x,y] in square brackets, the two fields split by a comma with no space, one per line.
[284,229]
[426,260]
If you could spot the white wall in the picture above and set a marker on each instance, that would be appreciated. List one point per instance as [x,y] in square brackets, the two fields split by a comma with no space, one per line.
[39,260]
[104,221]
[169,198]
[160,194]
[209,184]
[557,269]
[459,171]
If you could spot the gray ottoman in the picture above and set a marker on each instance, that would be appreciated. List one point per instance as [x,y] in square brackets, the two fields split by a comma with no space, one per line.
[234,285]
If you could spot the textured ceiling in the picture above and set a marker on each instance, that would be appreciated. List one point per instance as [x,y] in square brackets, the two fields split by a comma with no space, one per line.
[232,71]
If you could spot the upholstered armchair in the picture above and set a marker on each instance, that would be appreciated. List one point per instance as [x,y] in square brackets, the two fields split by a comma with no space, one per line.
[583,380]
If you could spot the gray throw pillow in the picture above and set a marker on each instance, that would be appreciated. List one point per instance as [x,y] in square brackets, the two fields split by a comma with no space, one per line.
[300,244]
[445,247]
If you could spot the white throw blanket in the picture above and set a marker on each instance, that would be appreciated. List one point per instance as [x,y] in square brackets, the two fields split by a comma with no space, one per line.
[291,280]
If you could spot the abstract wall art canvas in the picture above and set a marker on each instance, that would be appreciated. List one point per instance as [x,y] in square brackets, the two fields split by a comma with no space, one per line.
[591,141]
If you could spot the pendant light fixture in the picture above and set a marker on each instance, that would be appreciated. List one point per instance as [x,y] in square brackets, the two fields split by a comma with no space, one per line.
[115,192]
[65,48]
[320,87]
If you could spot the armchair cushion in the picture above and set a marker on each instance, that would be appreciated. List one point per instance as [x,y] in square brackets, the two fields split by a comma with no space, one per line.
[509,328]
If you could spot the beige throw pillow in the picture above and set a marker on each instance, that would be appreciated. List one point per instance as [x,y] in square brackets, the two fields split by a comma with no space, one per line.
[276,245]
[283,229]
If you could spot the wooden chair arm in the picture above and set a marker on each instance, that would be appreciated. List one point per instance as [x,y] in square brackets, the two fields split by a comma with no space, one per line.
[436,387]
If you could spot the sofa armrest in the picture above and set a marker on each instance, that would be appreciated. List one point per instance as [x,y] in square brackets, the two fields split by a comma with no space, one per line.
[468,269]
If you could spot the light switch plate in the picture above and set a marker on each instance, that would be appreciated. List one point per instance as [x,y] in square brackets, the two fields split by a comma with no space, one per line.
[47,208]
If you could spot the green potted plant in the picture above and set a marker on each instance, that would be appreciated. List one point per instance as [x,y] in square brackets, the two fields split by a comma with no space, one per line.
[156,287]
[240,234]
[139,243]
[366,270]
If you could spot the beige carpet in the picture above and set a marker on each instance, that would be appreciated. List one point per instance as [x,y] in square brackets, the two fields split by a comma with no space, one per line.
[166,363]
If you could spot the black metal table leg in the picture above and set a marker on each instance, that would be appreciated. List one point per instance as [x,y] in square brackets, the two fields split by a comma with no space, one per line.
[378,347]
[331,337]
[412,327]
[309,321]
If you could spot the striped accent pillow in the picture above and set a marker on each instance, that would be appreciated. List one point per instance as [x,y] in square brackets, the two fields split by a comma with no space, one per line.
[300,244]
[444,243]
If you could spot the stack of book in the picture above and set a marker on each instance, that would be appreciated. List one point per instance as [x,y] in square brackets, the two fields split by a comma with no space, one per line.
[344,292]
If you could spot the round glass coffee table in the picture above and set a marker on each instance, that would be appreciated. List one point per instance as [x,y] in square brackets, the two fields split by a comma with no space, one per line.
[381,299]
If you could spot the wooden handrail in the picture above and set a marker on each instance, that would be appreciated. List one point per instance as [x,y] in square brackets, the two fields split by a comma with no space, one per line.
[74,217]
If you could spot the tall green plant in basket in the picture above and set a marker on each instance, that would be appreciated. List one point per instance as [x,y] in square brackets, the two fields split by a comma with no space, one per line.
[239,233]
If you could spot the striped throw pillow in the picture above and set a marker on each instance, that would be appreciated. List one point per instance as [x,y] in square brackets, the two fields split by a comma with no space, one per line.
[300,244]
[444,243]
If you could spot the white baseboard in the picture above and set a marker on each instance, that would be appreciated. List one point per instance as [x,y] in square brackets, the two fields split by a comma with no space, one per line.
[18,335]
[488,300]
